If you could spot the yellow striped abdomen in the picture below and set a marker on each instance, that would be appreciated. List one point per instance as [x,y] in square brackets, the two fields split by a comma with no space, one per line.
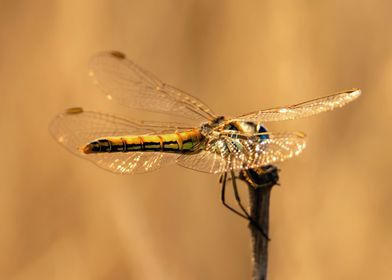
[170,143]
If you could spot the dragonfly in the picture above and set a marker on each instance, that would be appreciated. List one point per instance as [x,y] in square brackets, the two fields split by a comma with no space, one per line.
[201,140]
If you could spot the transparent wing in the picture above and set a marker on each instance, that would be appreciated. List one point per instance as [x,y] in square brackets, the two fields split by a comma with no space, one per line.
[75,128]
[237,151]
[203,161]
[124,81]
[132,163]
[304,109]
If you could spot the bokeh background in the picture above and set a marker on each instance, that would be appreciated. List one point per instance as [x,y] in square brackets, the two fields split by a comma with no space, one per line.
[64,218]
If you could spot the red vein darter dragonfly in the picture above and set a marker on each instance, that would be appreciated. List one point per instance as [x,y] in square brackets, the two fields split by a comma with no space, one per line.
[212,143]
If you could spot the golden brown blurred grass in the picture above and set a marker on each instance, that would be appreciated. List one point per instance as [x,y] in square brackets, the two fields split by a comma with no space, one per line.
[63,218]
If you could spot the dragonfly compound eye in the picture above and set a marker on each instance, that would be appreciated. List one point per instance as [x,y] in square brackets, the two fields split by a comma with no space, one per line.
[262,129]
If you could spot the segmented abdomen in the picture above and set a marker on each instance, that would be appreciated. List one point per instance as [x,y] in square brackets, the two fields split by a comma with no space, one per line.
[175,143]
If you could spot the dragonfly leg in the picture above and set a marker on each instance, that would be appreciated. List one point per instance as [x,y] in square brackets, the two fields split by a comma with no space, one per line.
[245,214]
[237,195]
[248,216]
[223,180]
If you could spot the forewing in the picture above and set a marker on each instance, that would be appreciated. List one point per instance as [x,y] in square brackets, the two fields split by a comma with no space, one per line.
[123,80]
[304,109]
[236,151]
[75,128]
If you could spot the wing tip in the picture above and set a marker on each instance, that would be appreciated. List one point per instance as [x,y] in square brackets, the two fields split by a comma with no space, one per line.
[97,59]
[300,134]
[117,54]
[355,92]
[110,53]
[74,111]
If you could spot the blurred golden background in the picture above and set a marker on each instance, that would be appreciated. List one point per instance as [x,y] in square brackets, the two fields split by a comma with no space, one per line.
[64,218]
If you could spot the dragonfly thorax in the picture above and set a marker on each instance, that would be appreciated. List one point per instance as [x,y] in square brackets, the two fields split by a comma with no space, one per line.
[217,121]
[208,127]
[245,127]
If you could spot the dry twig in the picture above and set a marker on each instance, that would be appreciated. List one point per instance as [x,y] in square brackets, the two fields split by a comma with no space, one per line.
[260,183]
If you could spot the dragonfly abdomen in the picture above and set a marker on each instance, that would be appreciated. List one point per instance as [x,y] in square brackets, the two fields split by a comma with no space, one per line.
[174,142]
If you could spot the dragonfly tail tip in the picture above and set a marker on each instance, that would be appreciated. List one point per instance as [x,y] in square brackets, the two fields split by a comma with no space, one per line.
[86,149]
